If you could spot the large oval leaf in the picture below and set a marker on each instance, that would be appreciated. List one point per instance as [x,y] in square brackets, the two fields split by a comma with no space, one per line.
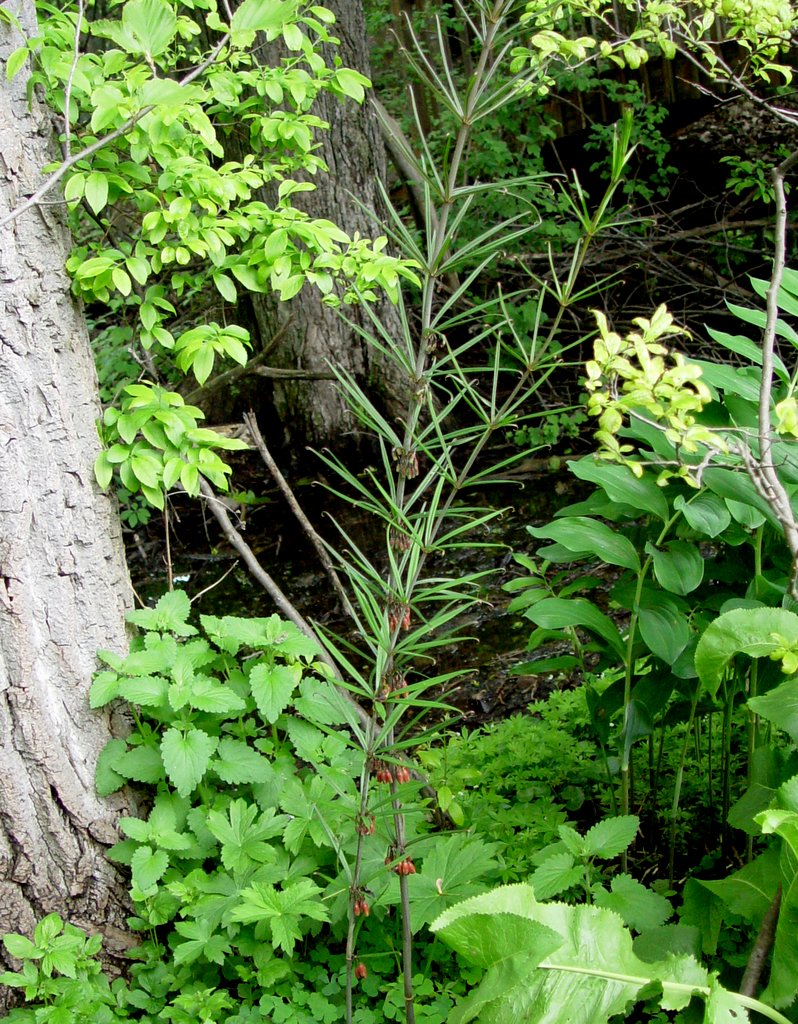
[706,512]
[582,534]
[623,486]
[679,567]
[664,629]
[756,632]
[559,612]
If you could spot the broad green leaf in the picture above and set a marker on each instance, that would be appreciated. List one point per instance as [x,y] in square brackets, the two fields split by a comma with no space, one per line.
[21,947]
[640,908]
[706,513]
[237,763]
[609,837]
[664,629]
[146,691]
[557,612]
[456,867]
[757,632]
[141,764]
[591,975]
[208,694]
[261,16]
[245,834]
[186,757]
[272,687]
[556,874]
[581,534]
[749,891]
[147,27]
[736,487]
[679,567]
[622,486]
[148,867]
[169,615]
[106,778]
[780,706]
[96,190]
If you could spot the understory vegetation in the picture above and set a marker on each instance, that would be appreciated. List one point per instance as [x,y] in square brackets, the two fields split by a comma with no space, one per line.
[321,838]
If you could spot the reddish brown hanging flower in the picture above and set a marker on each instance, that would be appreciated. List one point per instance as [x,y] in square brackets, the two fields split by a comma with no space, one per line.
[361,971]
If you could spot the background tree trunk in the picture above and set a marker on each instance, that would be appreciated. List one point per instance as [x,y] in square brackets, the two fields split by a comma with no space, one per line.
[64,586]
[311,334]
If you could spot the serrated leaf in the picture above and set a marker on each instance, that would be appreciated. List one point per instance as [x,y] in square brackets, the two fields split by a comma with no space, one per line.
[609,837]
[186,757]
[141,764]
[588,976]
[237,763]
[170,615]
[640,908]
[272,688]
[148,867]
[106,778]
[283,910]
[556,874]
[245,833]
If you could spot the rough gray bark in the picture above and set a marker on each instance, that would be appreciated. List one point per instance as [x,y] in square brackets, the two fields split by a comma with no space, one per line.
[64,586]
[312,334]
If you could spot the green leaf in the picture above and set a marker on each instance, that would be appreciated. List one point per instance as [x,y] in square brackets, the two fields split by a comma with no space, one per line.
[749,891]
[757,632]
[261,16]
[148,867]
[780,706]
[96,190]
[16,62]
[283,910]
[611,836]
[557,612]
[272,687]
[352,83]
[226,287]
[706,513]
[237,763]
[244,835]
[169,615]
[141,764]
[556,874]
[20,947]
[588,976]
[147,27]
[186,757]
[679,568]
[622,486]
[456,867]
[639,907]
[664,629]
[106,778]
[583,535]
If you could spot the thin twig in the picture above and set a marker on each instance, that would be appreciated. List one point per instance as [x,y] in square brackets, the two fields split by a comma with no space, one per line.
[251,422]
[99,144]
[70,78]
[273,590]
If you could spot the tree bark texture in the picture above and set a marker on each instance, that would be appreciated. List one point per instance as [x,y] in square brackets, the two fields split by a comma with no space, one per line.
[311,334]
[64,587]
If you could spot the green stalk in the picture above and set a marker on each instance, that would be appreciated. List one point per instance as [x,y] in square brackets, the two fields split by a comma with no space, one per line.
[677,788]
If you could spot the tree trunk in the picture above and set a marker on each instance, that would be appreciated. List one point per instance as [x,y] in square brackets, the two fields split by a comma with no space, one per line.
[64,586]
[312,334]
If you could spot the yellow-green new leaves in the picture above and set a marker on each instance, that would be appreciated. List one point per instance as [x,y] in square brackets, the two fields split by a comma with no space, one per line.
[639,376]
